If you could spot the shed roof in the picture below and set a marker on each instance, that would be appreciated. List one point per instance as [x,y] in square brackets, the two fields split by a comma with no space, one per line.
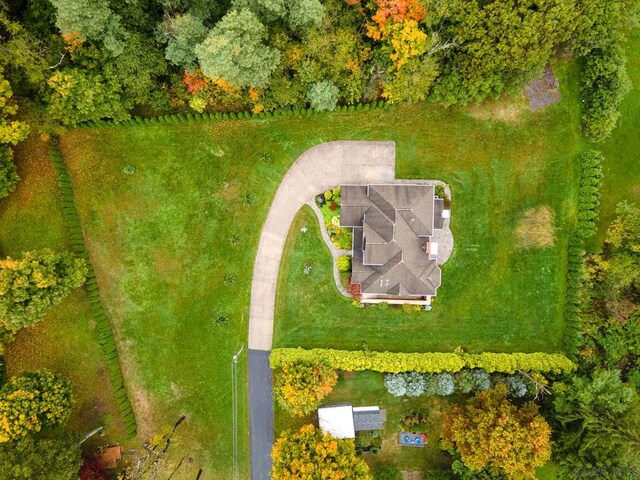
[337,420]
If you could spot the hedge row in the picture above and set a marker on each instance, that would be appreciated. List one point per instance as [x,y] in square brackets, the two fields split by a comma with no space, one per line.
[103,328]
[189,117]
[572,319]
[589,192]
[389,362]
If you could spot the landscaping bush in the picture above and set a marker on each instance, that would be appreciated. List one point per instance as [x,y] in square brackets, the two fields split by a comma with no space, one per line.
[344,263]
[445,385]
[387,472]
[481,380]
[413,418]
[575,275]
[517,387]
[300,387]
[396,384]
[464,381]
[415,384]
[391,362]
[329,203]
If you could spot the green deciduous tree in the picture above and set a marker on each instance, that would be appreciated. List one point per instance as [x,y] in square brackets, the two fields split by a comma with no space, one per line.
[498,44]
[297,14]
[92,20]
[135,73]
[599,422]
[33,401]
[308,454]
[31,285]
[234,51]
[300,387]
[412,82]
[184,32]
[490,432]
[599,41]
[28,458]
[78,95]
[23,57]
[11,131]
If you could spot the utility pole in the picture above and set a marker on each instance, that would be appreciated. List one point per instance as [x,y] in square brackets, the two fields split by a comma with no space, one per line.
[234,401]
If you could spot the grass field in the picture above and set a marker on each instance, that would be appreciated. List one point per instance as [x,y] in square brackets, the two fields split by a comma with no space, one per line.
[173,244]
[494,296]
[65,341]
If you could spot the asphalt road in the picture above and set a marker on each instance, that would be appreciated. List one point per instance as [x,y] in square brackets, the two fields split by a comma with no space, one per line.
[260,413]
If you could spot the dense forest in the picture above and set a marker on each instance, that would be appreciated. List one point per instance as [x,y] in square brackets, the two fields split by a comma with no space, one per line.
[82,60]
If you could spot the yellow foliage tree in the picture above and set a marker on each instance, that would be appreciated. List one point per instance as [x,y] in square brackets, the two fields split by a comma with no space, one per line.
[32,401]
[490,432]
[300,387]
[309,454]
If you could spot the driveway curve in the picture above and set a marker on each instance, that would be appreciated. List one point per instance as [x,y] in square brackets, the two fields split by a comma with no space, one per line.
[321,167]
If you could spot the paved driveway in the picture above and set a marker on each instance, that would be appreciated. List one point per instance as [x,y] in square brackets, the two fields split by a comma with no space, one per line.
[316,170]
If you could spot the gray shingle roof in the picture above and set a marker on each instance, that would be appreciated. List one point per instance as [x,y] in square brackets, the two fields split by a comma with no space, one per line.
[392,225]
[368,420]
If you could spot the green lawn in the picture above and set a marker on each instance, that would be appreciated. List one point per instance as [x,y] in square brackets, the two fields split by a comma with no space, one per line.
[494,295]
[622,150]
[173,244]
[65,341]
[366,389]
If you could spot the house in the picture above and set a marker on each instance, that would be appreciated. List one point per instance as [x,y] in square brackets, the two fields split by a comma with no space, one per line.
[394,257]
[343,420]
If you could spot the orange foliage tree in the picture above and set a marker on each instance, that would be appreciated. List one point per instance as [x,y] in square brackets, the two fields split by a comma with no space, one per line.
[309,454]
[490,432]
[300,387]
[396,25]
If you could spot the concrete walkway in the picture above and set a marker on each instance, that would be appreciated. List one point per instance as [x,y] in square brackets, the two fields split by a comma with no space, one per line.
[316,170]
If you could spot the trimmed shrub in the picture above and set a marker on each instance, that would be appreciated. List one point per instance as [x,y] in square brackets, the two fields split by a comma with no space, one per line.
[464,381]
[481,380]
[517,387]
[344,263]
[391,362]
[395,384]
[415,384]
[589,192]
[445,385]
